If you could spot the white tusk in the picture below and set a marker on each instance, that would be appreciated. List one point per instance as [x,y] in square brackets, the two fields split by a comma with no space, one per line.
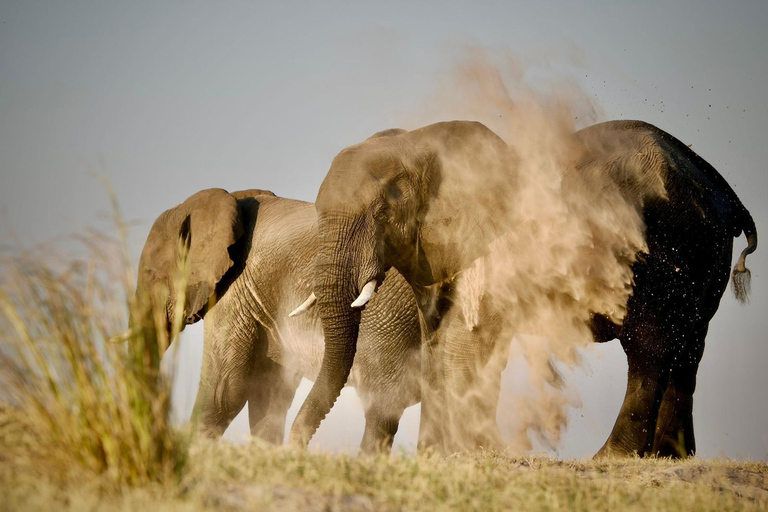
[366,294]
[304,306]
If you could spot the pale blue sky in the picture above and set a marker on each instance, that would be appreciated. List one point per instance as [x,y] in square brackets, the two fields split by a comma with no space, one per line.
[178,96]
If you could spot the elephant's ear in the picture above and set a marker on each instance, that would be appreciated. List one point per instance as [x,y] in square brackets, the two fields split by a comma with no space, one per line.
[252,192]
[206,224]
[387,133]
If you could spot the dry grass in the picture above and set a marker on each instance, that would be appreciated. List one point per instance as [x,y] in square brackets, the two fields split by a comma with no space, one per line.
[84,425]
[73,402]
[255,477]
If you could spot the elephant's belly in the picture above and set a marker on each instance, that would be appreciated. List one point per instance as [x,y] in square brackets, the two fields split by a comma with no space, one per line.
[301,350]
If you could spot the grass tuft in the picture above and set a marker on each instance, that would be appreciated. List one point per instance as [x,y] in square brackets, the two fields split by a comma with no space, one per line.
[75,403]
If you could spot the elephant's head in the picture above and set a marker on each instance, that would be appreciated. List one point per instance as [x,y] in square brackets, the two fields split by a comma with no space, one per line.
[427,202]
[185,257]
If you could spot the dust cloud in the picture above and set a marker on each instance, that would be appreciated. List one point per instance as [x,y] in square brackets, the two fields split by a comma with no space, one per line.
[569,234]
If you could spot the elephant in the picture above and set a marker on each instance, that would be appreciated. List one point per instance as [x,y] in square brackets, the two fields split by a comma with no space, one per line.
[251,254]
[398,201]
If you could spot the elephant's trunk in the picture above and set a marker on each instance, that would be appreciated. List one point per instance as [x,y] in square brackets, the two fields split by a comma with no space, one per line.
[148,321]
[336,286]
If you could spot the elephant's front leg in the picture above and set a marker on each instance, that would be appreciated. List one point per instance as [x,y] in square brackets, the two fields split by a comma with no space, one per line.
[433,421]
[432,302]
[475,358]
[224,381]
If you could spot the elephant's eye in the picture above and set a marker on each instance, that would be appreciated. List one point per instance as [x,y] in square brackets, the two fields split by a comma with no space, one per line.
[393,191]
[380,212]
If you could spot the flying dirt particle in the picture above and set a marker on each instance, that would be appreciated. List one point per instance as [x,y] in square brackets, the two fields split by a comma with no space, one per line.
[546,286]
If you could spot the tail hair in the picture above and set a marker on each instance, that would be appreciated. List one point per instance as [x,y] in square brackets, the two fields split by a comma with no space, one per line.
[741,283]
[741,276]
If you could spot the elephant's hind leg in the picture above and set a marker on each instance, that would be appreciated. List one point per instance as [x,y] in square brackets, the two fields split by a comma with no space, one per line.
[646,342]
[271,393]
[674,429]
[380,429]
[634,428]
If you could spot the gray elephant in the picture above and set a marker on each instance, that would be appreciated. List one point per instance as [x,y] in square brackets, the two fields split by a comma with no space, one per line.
[399,202]
[251,256]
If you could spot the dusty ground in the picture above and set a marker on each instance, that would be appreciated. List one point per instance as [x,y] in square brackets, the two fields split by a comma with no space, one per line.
[740,485]
[254,477]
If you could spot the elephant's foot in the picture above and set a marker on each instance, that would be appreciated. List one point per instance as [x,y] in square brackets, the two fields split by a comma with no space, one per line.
[433,439]
[674,429]
[210,431]
[611,450]
[211,420]
[455,438]
[433,423]
[271,430]
[674,446]
[628,439]
[473,423]
[489,440]
[379,433]
[635,427]
[474,430]
[211,424]
[632,434]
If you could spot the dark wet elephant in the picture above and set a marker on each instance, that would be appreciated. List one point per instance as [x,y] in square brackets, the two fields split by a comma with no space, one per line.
[398,200]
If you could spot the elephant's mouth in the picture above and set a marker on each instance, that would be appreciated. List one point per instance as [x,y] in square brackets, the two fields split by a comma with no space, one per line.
[367,292]
[371,286]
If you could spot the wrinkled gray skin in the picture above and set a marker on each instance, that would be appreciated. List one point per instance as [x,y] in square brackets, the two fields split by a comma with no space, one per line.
[396,201]
[251,258]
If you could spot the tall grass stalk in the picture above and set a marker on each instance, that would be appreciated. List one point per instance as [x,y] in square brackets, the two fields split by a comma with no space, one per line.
[86,401]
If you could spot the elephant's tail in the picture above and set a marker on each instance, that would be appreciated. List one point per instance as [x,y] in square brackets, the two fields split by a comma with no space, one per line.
[741,275]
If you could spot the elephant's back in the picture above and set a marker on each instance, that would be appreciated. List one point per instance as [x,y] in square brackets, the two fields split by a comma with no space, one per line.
[282,243]
[689,181]
[689,229]
[287,227]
